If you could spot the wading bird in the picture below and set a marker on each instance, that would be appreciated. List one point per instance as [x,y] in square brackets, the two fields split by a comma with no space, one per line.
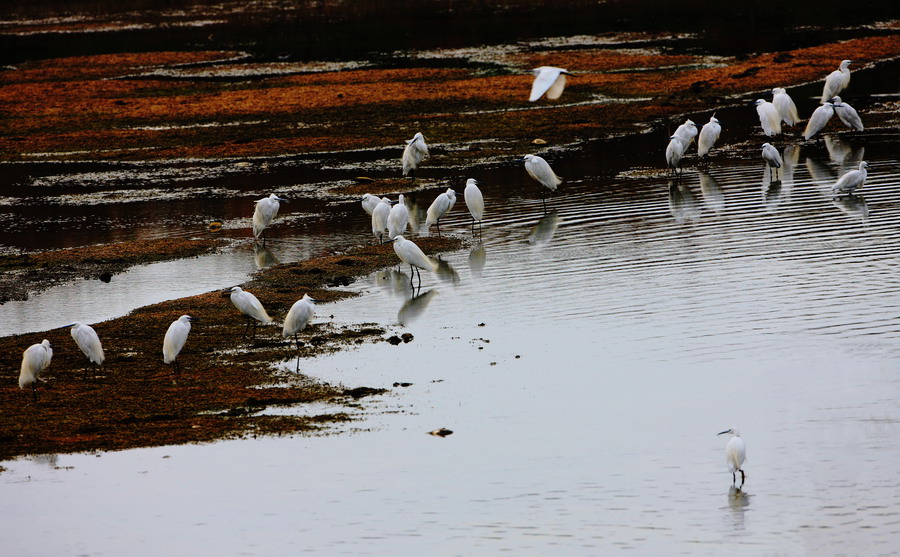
[550,80]
[772,157]
[412,255]
[35,360]
[687,132]
[818,120]
[369,202]
[87,340]
[836,81]
[674,152]
[380,215]
[251,307]
[474,202]
[853,180]
[847,114]
[415,151]
[709,134]
[398,218]
[266,210]
[297,319]
[785,106]
[540,170]
[769,118]
[175,338]
[438,208]
[735,454]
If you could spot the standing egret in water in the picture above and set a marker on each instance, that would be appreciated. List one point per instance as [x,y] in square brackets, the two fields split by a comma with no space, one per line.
[818,120]
[847,114]
[369,202]
[853,180]
[769,118]
[735,454]
[35,360]
[175,338]
[709,134]
[836,81]
[540,170]
[398,218]
[415,151]
[251,307]
[266,210]
[438,208]
[474,201]
[687,132]
[675,151]
[785,106]
[550,80]
[86,338]
[412,255]
[772,157]
[380,215]
[297,319]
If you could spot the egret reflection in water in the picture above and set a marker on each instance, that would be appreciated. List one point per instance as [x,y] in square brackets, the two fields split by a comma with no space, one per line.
[853,206]
[263,256]
[446,272]
[414,307]
[682,203]
[477,259]
[542,232]
[713,196]
[395,282]
[772,195]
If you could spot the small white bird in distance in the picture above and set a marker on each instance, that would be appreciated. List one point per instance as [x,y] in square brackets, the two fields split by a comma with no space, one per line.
[369,202]
[251,307]
[818,120]
[772,157]
[769,118]
[415,151]
[266,210]
[674,152]
[785,106]
[687,131]
[438,208]
[35,360]
[412,255]
[474,202]
[87,340]
[709,134]
[853,180]
[540,170]
[847,114]
[175,338]
[735,454]
[298,317]
[836,81]
[550,80]
[398,218]
[380,215]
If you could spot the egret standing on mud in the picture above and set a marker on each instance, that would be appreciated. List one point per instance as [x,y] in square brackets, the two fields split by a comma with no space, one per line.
[438,208]
[474,201]
[772,157]
[398,218]
[175,338]
[412,255]
[785,106]
[298,317]
[540,170]
[818,120]
[35,360]
[266,210]
[847,114]
[380,215]
[251,307]
[87,340]
[769,118]
[550,80]
[853,180]
[836,81]
[735,454]
[415,151]
[709,134]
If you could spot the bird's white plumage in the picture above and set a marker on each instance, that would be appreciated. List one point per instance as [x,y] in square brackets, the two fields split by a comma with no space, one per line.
[549,80]
[380,215]
[398,218]
[87,340]
[35,360]
[439,207]
[687,131]
[735,453]
[369,202]
[785,106]
[249,305]
[836,81]
[540,170]
[818,120]
[709,134]
[175,338]
[411,254]
[771,155]
[853,180]
[298,316]
[416,150]
[266,210]
[769,119]
[847,114]
[675,151]
[474,199]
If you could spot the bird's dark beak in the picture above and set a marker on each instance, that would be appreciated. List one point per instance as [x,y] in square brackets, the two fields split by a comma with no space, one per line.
[193,319]
[723,432]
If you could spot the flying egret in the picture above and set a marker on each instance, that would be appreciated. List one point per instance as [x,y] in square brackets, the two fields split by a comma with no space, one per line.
[380,215]
[735,454]
[675,151]
[86,338]
[709,134]
[540,170]
[175,338]
[415,151]
[769,118]
[847,114]
[266,210]
[438,208]
[550,80]
[35,360]
[772,157]
[687,132]
[853,180]
[818,120]
[398,218]
[369,202]
[412,255]
[836,81]
[474,201]
[785,106]
[251,307]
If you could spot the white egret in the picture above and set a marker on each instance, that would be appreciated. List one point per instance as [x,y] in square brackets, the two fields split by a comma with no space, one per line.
[298,317]
[675,151]
[474,201]
[398,218]
[380,215]
[687,132]
[87,340]
[540,170]
[35,360]
[853,180]
[416,150]
[175,338]
[550,80]
[735,454]
[438,208]
[847,114]
[251,307]
[836,81]
[412,255]
[369,202]
[785,106]
[772,157]
[769,118]
[818,120]
[709,134]
[266,210]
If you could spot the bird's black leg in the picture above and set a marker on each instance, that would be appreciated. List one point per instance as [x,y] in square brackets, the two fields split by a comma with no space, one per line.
[742,478]
[246,328]
[175,369]
[733,479]
[438,224]
[33,392]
